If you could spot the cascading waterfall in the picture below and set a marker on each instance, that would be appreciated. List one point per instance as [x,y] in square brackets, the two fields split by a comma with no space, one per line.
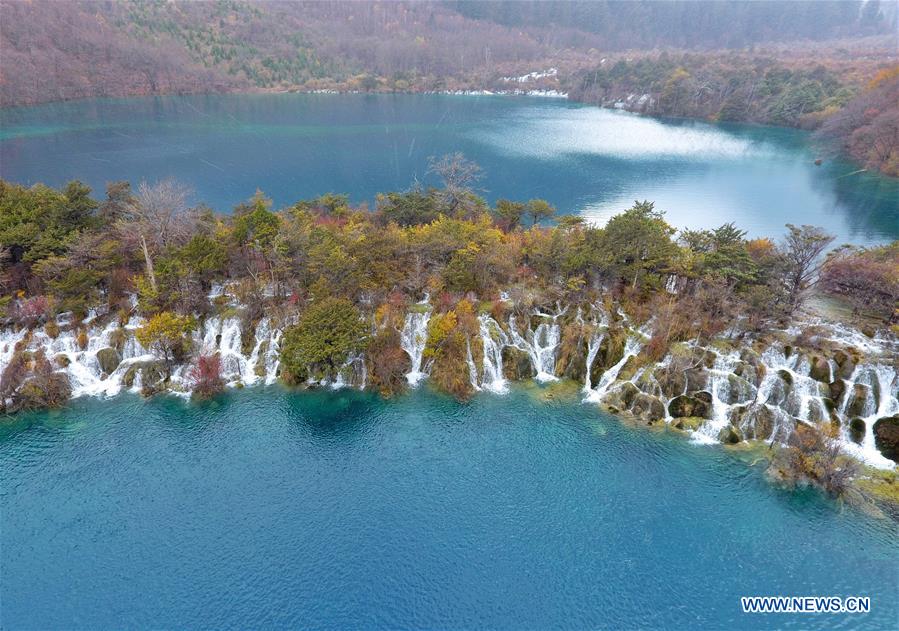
[86,376]
[720,387]
[593,345]
[540,344]
[412,340]
[881,389]
[631,348]
[493,339]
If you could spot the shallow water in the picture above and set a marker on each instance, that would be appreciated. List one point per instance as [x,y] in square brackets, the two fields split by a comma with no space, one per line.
[582,159]
[267,507]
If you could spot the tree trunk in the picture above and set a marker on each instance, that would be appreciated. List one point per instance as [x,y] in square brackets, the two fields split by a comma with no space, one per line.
[150,273]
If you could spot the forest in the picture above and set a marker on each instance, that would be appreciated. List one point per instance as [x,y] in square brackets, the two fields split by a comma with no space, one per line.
[91,48]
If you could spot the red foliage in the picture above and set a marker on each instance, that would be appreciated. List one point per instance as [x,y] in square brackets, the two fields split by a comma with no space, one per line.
[205,376]
[31,310]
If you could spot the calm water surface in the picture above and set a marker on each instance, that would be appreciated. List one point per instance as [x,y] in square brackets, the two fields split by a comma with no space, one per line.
[268,508]
[583,159]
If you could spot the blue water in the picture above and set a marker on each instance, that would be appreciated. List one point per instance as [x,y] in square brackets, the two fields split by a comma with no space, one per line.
[582,159]
[268,508]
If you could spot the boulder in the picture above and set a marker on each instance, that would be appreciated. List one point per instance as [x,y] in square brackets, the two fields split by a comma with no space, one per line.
[622,396]
[648,407]
[688,422]
[748,372]
[517,364]
[857,429]
[697,379]
[845,364]
[739,390]
[109,359]
[886,437]
[858,400]
[688,405]
[672,382]
[730,435]
[837,388]
[819,369]
[755,421]
[149,373]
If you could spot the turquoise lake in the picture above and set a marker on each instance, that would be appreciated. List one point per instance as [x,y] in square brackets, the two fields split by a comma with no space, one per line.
[582,159]
[268,509]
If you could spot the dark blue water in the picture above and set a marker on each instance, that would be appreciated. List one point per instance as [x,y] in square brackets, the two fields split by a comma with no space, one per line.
[582,159]
[274,509]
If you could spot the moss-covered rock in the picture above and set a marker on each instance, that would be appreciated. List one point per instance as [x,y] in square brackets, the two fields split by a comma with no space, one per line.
[739,389]
[857,429]
[62,360]
[819,369]
[109,359]
[692,423]
[517,364]
[689,405]
[148,374]
[648,408]
[886,437]
[845,364]
[629,369]
[858,400]
[623,396]
[755,421]
[730,435]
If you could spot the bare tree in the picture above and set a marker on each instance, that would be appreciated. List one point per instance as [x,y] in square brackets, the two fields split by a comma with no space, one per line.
[802,252]
[459,175]
[158,216]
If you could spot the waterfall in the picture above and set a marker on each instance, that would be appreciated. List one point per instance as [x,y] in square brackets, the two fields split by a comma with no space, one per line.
[631,348]
[881,399]
[540,344]
[82,367]
[472,369]
[593,345]
[492,374]
[719,384]
[412,340]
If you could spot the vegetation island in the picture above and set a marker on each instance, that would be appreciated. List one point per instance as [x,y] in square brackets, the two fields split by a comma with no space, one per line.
[785,344]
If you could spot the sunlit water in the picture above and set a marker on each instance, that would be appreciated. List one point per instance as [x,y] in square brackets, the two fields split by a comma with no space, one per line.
[583,159]
[268,508]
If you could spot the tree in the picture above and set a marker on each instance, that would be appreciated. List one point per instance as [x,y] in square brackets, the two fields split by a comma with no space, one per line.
[636,242]
[157,217]
[321,342]
[168,335]
[459,176]
[509,214]
[868,278]
[539,209]
[802,252]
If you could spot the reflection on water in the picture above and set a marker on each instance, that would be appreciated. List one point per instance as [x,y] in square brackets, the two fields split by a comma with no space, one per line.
[582,159]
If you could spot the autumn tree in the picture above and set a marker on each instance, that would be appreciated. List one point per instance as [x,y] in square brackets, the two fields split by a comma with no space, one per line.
[801,252]
[321,342]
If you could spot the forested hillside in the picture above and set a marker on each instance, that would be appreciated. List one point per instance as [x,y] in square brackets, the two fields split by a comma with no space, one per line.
[65,50]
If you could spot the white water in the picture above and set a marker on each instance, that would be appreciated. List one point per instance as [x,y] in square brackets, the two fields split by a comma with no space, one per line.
[87,378]
[413,338]
[493,339]
[593,345]
[719,385]
[631,348]
[540,344]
